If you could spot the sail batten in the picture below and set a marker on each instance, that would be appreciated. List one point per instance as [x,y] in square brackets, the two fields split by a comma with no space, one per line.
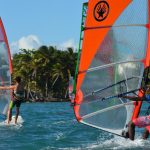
[115,26]
[106,109]
[107,65]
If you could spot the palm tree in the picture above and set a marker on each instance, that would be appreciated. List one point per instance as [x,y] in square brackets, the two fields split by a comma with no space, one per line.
[45,70]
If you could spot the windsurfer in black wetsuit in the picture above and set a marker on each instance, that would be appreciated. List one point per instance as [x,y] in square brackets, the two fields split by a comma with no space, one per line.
[18,96]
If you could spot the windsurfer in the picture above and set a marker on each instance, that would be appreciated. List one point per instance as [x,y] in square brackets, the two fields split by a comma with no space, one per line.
[18,95]
[142,121]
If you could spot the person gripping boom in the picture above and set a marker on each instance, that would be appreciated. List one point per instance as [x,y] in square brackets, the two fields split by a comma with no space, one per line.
[142,121]
[18,96]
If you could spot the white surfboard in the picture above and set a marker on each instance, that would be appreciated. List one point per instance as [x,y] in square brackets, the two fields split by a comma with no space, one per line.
[19,120]
[12,122]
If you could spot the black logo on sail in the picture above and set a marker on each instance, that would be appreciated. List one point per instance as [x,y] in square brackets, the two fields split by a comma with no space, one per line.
[101,10]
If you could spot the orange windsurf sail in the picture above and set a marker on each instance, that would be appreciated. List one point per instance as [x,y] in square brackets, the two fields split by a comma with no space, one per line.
[113,53]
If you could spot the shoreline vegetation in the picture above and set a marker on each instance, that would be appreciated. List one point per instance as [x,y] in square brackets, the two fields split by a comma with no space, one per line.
[45,72]
[48,100]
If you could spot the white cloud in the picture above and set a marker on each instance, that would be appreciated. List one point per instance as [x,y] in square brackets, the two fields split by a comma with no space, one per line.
[66,44]
[33,42]
[121,67]
[28,42]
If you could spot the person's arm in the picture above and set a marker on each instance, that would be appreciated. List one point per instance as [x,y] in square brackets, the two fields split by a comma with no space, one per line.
[11,87]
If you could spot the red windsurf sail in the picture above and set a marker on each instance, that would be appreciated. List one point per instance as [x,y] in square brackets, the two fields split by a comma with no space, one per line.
[5,70]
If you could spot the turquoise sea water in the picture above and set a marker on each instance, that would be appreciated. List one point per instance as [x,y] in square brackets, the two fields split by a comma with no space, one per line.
[52,126]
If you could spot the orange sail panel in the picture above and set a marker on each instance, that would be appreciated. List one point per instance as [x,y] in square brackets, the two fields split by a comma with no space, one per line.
[93,38]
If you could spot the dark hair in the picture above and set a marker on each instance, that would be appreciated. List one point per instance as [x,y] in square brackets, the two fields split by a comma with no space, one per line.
[18,79]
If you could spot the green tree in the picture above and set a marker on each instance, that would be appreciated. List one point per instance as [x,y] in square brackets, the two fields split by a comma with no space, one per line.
[45,70]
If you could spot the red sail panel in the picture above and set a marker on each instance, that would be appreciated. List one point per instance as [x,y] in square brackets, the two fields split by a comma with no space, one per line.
[3,37]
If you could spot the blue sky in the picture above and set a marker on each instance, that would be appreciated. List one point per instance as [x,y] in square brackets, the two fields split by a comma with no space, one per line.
[31,23]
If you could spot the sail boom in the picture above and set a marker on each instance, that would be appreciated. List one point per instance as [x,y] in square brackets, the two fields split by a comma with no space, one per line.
[99,90]
[108,65]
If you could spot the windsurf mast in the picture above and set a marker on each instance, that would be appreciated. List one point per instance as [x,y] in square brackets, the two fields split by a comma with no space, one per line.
[84,13]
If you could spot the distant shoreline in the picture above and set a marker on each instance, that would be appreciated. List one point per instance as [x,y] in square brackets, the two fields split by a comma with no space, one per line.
[49,100]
